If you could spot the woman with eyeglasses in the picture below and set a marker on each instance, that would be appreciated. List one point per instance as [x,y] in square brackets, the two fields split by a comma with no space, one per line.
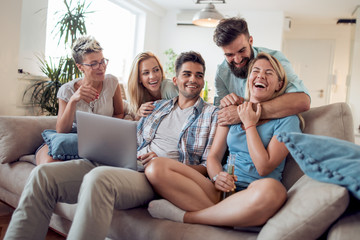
[147,84]
[95,92]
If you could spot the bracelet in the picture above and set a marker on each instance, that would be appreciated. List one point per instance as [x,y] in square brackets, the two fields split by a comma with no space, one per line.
[214,178]
[249,127]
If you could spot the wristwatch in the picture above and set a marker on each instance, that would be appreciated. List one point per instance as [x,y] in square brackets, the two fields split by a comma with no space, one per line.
[214,178]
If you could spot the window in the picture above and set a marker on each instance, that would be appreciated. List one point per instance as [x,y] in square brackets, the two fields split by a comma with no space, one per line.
[113,26]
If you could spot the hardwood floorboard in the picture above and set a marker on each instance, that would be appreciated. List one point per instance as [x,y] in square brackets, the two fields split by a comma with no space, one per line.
[5,216]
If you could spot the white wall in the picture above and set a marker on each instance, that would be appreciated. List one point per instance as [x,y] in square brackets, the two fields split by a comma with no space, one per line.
[341,34]
[23,35]
[152,33]
[266,27]
[186,38]
[33,20]
[10,12]
[354,84]
[149,19]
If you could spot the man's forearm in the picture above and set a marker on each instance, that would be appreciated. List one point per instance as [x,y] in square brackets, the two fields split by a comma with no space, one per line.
[285,105]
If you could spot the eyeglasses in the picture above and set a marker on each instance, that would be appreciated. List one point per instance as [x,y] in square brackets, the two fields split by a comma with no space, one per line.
[96,65]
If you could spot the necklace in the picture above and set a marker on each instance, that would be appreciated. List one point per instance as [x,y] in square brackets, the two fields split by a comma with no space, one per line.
[92,105]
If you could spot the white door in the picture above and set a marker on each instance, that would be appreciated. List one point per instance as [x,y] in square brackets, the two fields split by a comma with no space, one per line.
[312,60]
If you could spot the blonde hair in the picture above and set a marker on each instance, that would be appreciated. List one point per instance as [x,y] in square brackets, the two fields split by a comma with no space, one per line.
[137,93]
[279,71]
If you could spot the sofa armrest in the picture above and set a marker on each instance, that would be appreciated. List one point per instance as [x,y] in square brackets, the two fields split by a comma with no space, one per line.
[22,135]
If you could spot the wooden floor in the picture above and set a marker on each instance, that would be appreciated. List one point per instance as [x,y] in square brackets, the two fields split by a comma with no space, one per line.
[5,216]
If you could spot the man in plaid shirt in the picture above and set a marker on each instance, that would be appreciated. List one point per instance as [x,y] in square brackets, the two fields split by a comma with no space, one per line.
[196,133]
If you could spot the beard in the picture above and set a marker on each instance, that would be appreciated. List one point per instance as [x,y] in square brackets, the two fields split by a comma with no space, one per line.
[241,72]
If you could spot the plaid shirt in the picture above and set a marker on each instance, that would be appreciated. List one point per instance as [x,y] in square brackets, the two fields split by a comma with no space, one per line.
[195,138]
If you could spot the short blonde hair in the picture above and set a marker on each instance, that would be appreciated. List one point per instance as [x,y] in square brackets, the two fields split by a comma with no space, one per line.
[279,70]
[84,45]
[136,91]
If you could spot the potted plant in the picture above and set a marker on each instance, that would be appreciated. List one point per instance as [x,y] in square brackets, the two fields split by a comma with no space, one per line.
[43,92]
[71,24]
[170,63]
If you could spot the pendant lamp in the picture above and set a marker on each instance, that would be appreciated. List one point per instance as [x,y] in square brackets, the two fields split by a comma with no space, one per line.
[208,16]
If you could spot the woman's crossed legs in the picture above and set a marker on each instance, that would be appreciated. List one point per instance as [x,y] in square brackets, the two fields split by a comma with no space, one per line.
[191,191]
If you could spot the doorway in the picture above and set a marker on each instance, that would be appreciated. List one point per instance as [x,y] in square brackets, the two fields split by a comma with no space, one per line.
[312,60]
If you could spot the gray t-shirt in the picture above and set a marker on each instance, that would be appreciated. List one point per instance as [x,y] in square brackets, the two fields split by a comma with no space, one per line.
[166,140]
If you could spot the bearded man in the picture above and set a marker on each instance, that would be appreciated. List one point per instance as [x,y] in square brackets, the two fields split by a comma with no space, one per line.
[232,36]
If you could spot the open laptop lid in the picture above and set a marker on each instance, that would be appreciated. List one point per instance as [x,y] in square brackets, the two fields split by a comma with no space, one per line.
[107,140]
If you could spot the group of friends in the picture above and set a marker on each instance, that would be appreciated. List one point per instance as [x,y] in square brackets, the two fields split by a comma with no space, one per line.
[258,95]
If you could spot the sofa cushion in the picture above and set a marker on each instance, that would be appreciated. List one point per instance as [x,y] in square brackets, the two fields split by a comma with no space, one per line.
[326,159]
[137,223]
[333,120]
[347,227]
[310,209]
[28,158]
[21,135]
[62,146]
[14,176]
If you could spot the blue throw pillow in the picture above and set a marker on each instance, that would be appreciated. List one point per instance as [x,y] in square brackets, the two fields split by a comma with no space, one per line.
[62,146]
[326,159]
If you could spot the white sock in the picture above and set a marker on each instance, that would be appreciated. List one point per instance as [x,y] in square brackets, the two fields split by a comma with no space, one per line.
[164,209]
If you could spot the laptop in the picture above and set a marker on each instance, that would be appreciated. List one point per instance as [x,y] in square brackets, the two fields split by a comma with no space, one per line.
[107,140]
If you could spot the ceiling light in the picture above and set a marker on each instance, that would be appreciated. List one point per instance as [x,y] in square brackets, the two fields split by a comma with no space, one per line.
[208,16]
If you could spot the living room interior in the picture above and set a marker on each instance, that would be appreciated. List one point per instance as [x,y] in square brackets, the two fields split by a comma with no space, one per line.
[298,28]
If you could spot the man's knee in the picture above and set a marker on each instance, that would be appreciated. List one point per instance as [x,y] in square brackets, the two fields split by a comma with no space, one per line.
[96,179]
[113,180]
[41,182]
[42,174]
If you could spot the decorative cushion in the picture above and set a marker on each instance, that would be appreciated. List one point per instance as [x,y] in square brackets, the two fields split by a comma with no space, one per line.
[310,209]
[326,159]
[62,146]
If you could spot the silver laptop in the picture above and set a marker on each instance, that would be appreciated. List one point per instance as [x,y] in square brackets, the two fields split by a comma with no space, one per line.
[107,140]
